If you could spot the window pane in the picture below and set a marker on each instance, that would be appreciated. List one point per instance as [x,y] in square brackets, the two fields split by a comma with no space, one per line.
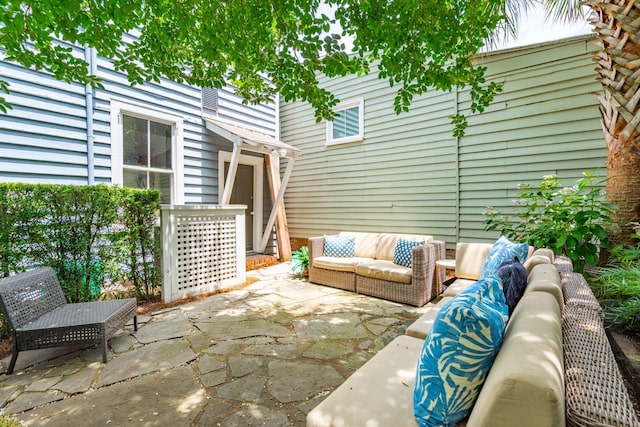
[134,141]
[160,145]
[134,179]
[162,182]
[346,123]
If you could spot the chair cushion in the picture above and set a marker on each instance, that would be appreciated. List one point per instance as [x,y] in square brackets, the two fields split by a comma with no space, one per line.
[525,385]
[387,243]
[469,259]
[339,263]
[366,243]
[421,327]
[377,394]
[534,260]
[458,286]
[384,270]
[339,246]
[503,249]
[545,278]
[402,253]
[458,353]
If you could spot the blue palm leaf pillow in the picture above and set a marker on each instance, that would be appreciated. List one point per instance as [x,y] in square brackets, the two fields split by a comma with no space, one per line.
[501,250]
[458,353]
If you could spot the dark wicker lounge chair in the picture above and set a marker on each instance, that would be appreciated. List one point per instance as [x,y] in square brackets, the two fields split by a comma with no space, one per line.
[39,316]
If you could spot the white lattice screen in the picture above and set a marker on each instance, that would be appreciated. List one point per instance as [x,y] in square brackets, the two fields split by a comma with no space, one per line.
[203,249]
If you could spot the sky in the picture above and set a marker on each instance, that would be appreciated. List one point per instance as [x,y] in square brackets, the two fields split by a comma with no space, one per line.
[533,29]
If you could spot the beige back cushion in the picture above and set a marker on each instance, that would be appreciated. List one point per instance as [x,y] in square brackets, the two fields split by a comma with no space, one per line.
[387,243]
[366,243]
[534,260]
[544,252]
[469,259]
[525,386]
[545,278]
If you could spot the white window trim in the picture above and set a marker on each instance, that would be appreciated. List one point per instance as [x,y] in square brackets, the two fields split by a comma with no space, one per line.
[345,106]
[177,143]
[258,201]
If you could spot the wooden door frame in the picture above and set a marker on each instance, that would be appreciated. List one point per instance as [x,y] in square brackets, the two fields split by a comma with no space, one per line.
[258,182]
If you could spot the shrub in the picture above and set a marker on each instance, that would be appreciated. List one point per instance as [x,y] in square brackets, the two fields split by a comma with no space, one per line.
[617,285]
[87,234]
[569,220]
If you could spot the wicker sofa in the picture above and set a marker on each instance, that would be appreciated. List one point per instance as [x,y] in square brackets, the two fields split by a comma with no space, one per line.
[372,270]
[555,366]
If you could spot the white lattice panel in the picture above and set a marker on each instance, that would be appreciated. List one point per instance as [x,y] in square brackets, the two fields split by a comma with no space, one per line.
[202,250]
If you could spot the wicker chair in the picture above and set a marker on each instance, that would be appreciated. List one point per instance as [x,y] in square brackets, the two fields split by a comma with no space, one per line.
[39,316]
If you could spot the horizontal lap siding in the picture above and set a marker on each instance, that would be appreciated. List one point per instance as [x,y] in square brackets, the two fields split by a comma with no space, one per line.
[44,137]
[546,122]
[398,179]
[405,175]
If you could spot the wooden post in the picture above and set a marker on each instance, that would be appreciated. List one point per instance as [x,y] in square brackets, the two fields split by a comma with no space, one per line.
[282,228]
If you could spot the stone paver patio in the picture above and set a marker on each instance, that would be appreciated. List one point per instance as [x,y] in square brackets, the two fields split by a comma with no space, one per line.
[264,355]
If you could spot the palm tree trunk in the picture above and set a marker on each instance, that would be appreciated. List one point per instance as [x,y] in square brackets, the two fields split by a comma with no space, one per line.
[617,24]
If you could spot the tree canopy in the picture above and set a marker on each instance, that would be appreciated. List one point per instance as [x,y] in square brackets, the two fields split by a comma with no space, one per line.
[417,44]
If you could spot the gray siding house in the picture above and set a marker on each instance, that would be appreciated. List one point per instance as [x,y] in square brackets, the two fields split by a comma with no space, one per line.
[157,135]
[373,170]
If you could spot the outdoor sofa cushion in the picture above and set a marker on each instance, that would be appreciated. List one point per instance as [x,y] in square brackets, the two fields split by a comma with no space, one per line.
[458,353]
[339,263]
[384,270]
[534,260]
[511,393]
[379,393]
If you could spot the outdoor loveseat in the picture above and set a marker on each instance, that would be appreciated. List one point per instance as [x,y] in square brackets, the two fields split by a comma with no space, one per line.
[368,264]
[40,317]
[555,366]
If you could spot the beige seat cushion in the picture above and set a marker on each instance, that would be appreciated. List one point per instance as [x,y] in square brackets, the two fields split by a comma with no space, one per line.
[458,286]
[469,259]
[380,393]
[545,278]
[525,387]
[366,243]
[384,270]
[421,327]
[339,263]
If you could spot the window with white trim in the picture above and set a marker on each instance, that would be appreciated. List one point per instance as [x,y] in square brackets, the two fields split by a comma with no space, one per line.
[147,151]
[348,123]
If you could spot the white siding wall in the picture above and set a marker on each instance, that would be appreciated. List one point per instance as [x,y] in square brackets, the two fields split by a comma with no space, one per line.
[410,175]
[44,137]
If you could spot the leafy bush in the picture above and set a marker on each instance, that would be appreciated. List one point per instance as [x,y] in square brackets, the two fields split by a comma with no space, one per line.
[569,220]
[618,287]
[87,234]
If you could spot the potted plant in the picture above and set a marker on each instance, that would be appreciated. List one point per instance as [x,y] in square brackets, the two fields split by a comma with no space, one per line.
[300,262]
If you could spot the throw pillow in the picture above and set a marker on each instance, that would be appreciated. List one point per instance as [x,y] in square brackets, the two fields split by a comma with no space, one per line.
[514,281]
[501,250]
[402,252]
[340,246]
[458,354]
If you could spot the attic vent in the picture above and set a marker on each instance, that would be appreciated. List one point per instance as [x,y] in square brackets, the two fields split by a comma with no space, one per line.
[209,99]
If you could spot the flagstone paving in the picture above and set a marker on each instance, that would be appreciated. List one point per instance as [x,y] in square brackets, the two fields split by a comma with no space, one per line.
[264,355]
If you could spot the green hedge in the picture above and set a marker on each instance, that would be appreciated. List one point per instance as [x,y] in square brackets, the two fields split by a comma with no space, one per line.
[90,235]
